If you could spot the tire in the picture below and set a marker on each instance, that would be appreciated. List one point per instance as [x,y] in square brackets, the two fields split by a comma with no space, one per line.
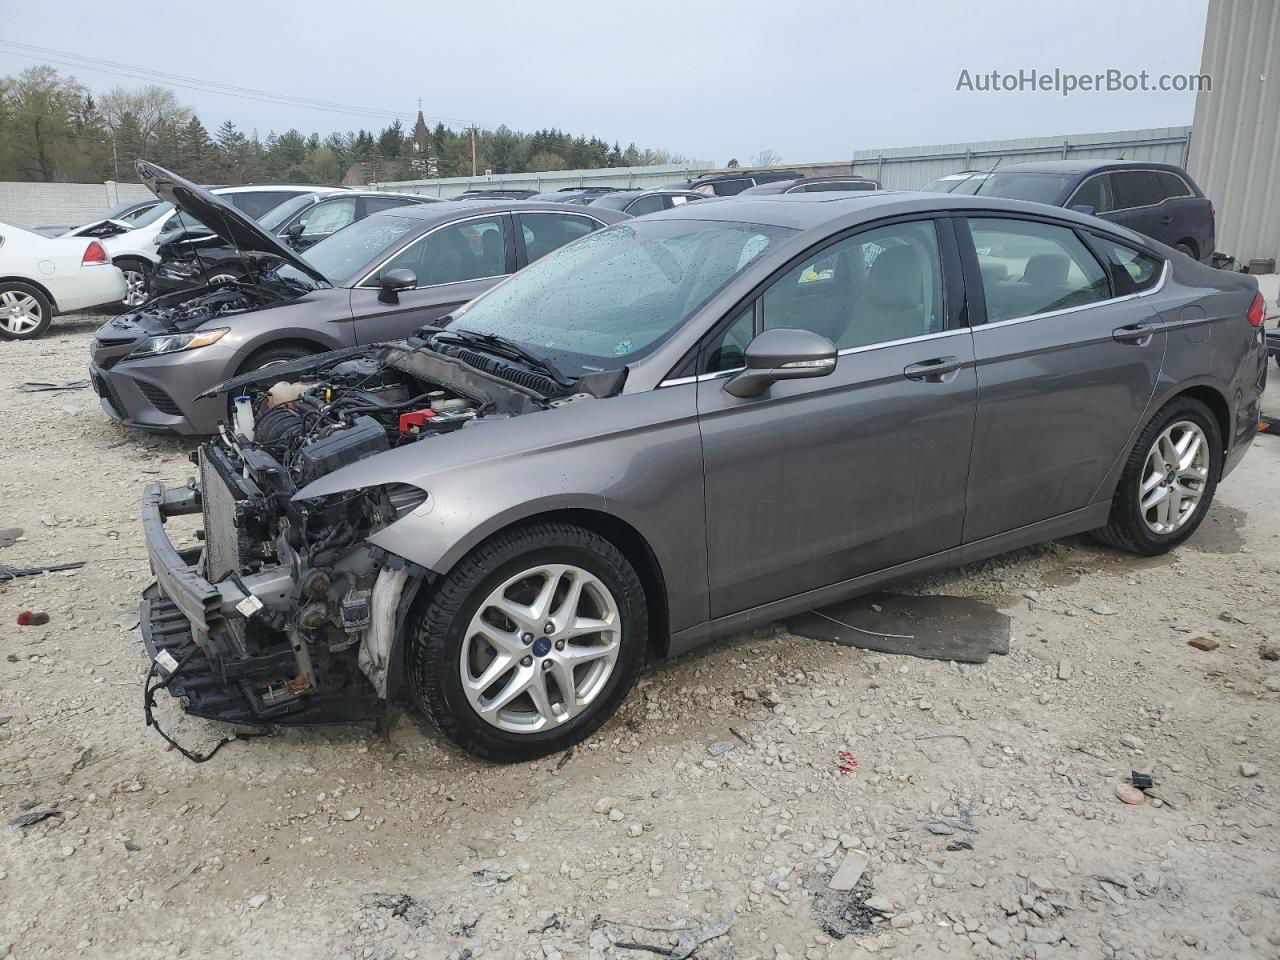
[137,278]
[1131,528]
[1189,248]
[442,636]
[25,312]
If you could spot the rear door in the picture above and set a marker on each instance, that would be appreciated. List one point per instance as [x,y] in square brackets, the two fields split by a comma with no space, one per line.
[454,264]
[818,481]
[1138,205]
[1059,396]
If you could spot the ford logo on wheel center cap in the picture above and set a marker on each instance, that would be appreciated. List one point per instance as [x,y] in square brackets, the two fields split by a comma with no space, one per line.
[542,646]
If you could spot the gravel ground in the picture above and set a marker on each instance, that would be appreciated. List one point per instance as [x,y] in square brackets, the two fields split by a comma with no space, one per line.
[982,810]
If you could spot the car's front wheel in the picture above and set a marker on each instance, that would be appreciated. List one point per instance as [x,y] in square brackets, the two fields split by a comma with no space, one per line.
[137,282]
[1168,481]
[25,312]
[530,643]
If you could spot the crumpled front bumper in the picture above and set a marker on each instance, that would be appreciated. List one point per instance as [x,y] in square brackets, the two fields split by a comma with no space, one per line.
[182,609]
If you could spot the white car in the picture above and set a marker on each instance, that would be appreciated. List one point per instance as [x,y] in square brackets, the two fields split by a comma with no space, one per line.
[133,247]
[44,276]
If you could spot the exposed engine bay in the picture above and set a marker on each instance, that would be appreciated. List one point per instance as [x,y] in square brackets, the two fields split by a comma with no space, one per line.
[187,309]
[283,613]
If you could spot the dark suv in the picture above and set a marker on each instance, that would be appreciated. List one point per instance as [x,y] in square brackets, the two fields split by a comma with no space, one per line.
[1156,199]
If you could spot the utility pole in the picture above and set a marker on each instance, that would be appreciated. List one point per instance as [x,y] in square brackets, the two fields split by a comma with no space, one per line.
[473,149]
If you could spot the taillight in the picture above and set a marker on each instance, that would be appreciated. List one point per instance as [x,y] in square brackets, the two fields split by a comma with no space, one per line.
[94,254]
[1257,310]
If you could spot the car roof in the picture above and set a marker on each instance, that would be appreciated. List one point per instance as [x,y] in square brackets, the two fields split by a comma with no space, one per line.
[432,213]
[805,211]
[1078,166]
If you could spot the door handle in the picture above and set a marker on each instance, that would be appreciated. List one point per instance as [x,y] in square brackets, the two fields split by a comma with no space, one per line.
[936,370]
[1141,331]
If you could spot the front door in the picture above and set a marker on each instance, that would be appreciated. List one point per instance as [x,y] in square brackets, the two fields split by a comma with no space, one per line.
[818,481]
[454,264]
[1058,396]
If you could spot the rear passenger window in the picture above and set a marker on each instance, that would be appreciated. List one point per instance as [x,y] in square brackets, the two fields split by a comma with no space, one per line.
[1030,268]
[544,232]
[1132,271]
[1134,188]
[643,205]
[1171,185]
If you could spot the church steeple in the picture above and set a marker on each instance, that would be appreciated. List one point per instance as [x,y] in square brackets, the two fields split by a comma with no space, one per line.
[421,135]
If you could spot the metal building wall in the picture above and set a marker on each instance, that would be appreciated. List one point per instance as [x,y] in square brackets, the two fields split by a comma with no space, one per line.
[910,168]
[1235,135]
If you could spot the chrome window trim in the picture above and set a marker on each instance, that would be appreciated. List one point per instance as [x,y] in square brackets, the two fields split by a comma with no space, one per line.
[1146,206]
[423,236]
[1164,274]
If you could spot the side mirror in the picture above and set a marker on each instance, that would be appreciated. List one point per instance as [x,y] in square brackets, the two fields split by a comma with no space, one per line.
[394,281]
[295,231]
[1085,208]
[782,354]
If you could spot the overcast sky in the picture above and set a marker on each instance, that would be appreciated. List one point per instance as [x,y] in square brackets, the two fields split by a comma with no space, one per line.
[811,82]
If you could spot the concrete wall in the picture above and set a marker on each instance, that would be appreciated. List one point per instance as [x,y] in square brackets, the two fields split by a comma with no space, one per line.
[49,204]
[1235,140]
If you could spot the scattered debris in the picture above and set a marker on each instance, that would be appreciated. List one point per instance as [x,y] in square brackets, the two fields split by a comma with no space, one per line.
[1269,652]
[1202,641]
[490,878]
[1128,793]
[12,573]
[938,828]
[190,868]
[9,536]
[1143,781]
[1102,610]
[1249,770]
[568,755]
[932,626]
[846,762]
[29,619]
[957,845]
[39,386]
[850,871]
[691,940]
[720,747]
[33,817]
[1064,669]
[258,900]
[403,906]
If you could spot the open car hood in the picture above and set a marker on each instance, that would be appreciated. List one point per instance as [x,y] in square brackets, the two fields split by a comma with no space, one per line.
[236,228]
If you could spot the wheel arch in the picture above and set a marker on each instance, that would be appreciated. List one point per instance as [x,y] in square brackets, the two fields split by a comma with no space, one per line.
[255,347]
[38,286]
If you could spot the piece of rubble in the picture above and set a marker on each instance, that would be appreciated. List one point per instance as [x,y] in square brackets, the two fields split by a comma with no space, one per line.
[1248,769]
[1202,641]
[1128,793]
[850,871]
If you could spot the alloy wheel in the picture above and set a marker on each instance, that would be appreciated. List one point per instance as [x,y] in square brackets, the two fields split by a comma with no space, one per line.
[135,293]
[19,312]
[540,648]
[1175,478]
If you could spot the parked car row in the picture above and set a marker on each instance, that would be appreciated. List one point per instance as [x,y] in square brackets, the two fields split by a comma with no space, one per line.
[679,426]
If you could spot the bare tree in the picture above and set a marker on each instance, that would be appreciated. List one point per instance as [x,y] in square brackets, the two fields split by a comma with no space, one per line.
[152,107]
[766,158]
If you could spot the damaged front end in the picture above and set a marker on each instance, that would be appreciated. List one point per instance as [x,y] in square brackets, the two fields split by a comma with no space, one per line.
[281,611]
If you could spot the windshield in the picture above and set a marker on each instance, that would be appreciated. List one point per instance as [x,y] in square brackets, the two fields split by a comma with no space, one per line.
[344,256]
[612,297]
[274,217]
[1037,187]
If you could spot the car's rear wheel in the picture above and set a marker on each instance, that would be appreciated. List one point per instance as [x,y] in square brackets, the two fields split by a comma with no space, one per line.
[530,643]
[1189,248]
[137,282]
[25,312]
[1168,481]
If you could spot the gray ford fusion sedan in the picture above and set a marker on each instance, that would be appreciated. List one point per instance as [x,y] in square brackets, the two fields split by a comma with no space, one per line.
[683,426]
[377,279]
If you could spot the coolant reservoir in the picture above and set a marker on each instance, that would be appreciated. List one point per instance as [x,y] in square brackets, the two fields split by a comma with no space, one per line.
[284,392]
[451,405]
